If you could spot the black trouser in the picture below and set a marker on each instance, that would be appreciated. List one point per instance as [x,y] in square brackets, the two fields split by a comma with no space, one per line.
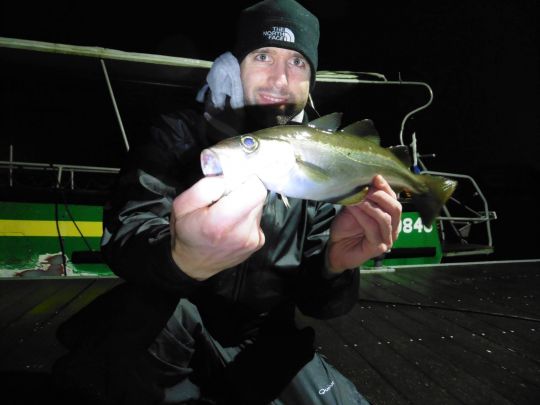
[279,367]
[121,354]
[108,344]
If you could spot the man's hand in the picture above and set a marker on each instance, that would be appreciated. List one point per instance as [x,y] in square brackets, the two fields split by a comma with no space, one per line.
[365,230]
[211,232]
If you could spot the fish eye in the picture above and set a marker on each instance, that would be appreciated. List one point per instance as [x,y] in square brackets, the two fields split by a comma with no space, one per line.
[249,143]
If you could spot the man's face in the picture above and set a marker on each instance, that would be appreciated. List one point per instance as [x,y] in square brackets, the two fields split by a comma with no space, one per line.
[277,78]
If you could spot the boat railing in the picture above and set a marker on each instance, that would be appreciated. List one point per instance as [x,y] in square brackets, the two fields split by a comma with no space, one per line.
[60,171]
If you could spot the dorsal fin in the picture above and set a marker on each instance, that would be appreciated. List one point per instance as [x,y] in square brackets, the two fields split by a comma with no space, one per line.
[329,122]
[402,153]
[365,129]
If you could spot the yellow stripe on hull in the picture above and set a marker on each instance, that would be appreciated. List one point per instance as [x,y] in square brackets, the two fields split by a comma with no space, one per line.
[12,228]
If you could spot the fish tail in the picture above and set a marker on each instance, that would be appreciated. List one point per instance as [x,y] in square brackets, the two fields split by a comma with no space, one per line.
[429,203]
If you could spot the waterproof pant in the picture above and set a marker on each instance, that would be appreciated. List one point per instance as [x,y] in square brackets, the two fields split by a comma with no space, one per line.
[279,368]
[120,353]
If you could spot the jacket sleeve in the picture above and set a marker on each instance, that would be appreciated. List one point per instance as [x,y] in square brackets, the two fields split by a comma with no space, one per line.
[319,294]
[136,242]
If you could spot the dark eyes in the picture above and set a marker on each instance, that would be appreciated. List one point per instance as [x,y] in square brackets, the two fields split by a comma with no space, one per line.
[249,144]
[298,62]
[295,61]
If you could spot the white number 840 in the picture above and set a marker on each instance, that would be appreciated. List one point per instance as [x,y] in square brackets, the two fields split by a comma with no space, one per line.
[408,225]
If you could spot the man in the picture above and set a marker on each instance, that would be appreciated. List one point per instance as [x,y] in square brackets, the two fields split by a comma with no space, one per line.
[215,277]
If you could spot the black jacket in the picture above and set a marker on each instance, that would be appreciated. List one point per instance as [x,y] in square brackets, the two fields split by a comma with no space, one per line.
[288,270]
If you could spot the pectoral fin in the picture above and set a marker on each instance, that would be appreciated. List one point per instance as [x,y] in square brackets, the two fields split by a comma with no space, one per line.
[355,198]
[311,171]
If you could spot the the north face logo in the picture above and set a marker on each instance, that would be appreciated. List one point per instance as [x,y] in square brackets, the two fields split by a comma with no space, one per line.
[279,34]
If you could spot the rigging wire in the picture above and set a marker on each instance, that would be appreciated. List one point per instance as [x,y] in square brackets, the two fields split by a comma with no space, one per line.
[57,223]
[60,238]
[66,206]
[68,211]
[61,190]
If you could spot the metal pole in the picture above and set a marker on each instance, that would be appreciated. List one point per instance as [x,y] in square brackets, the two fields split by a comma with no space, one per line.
[114,104]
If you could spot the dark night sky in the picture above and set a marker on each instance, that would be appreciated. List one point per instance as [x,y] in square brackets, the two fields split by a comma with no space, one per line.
[480,57]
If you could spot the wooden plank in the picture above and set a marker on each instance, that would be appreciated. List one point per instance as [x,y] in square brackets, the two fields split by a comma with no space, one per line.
[477,329]
[414,290]
[463,372]
[8,291]
[23,295]
[42,343]
[423,347]
[372,385]
[32,319]
[434,355]
[405,377]
[469,349]
[513,293]
[492,268]
[483,326]
[526,332]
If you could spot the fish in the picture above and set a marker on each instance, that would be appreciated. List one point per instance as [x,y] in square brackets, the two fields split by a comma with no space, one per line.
[316,161]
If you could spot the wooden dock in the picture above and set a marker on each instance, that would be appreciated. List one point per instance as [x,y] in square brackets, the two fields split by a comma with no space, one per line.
[454,334]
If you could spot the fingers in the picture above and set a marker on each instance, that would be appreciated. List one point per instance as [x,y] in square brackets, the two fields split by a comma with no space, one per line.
[240,209]
[380,183]
[387,200]
[242,220]
[381,213]
[240,212]
[377,233]
[211,235]
[211,189]
[248,196]
[380,222]
[216,217]
[202,194]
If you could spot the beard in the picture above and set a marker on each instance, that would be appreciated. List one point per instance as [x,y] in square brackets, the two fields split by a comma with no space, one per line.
[282,114]
[264,116]
[267,114]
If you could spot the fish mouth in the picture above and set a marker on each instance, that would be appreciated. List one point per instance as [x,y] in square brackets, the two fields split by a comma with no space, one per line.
[210,163]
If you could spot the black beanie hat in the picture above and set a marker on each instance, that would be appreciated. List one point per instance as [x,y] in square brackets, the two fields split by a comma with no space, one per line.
[281,24]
